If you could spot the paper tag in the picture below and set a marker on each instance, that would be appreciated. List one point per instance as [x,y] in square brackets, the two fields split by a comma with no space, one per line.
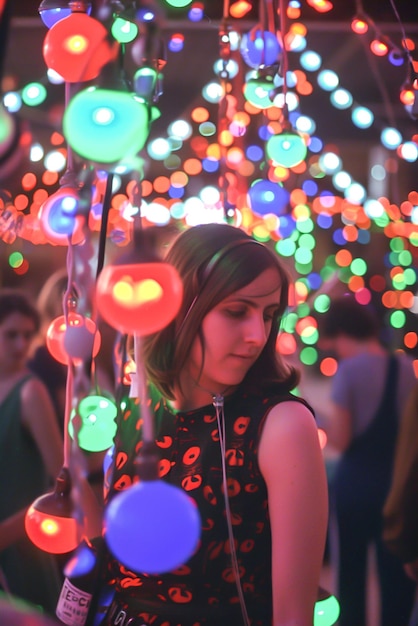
[73,605]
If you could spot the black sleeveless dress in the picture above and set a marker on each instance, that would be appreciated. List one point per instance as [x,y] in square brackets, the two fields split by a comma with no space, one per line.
[203,590]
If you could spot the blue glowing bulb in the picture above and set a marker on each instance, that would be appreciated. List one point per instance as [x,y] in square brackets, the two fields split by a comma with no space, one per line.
[152,527]
[268,197]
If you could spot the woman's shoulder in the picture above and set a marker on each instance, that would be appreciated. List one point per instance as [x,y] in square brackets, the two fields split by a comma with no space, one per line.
[275,396]
[293,411]
[290,428]
[32,388]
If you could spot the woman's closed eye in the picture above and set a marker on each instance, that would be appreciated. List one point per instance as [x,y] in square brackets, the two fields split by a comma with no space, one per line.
[237,313]
[270,315]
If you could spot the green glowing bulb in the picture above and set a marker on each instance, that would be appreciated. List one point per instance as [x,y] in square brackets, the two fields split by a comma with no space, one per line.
[322,303]
[7,125]
[309,336]
[98,426]
[105,125]
[308,356]
[178,4]
[124,31]
[286,247]
[398,319]
[256,92]
[326,612]
[289,322]
[34,94]
[287,149]
[358,267]
[410,276]
[303,268]
[397,244]
[405,258]
[303,256]
[15,259]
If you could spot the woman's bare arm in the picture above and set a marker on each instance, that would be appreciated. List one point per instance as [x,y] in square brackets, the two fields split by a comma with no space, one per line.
[39,417]
[291,462]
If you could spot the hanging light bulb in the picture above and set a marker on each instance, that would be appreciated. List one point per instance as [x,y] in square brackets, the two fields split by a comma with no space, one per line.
[97,429]
[140,294]
[379,47]
[286,148]
[407,94]
[106,125]
[359,25]
[322,6]
[9,133]
[145,79]
[52,11]
[259,92]
[327,609]
[124,30]
[240,8]
[267,197]
[59,217]
[260,48]
[152,527]
[49,523]
[83,340]
[77,48]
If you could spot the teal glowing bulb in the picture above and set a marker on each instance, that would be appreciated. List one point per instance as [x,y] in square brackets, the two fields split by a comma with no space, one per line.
[105,125]
[287,149]
[327,609]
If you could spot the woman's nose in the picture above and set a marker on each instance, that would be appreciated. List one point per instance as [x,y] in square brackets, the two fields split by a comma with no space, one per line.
[22,342]
[255,331]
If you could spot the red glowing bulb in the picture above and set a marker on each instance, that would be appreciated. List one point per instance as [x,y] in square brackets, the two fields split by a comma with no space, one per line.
[77,48]
[80,341]
[359,26]
[49,523]
[141,298]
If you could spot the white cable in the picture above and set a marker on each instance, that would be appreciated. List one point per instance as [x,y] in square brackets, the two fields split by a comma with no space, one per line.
[218,402]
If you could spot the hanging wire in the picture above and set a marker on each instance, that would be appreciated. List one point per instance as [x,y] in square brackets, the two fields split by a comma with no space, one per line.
[147,419]
[285,59]
[218,402]
[225,54]
[411,71]
[107,200]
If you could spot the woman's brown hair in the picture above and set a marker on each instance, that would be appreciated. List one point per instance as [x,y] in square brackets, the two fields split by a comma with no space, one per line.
[213,261]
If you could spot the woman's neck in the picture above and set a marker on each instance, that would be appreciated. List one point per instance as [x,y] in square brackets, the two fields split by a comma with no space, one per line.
[196,396]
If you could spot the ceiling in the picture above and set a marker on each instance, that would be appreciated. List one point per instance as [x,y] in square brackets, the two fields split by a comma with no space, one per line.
[373,81]
[379,10]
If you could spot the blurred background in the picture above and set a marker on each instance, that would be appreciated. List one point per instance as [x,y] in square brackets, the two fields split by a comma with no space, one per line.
[350,223]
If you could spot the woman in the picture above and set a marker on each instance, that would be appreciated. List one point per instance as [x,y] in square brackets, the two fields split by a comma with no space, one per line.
[221,346]
[30,455]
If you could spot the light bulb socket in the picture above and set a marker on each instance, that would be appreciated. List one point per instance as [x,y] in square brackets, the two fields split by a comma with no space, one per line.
[144,248]
[58,502]
[322,594]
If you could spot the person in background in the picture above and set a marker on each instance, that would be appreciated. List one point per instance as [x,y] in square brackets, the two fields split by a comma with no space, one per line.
[31,455]
[368,394]
[217,360]
[50,304]
[53,373]
[400,512]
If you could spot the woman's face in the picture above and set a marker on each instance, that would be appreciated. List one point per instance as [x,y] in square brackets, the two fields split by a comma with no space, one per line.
[16,334]
[235,333]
